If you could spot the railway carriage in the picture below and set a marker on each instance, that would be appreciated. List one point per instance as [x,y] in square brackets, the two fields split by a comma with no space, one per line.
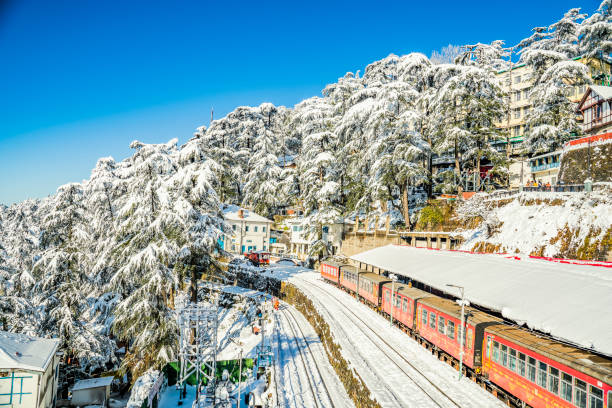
[370,287]
[349,277]
[331,271]
[404,302]
[439,322]
[544,372]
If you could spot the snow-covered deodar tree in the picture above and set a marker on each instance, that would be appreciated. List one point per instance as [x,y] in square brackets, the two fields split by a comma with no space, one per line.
[62,283]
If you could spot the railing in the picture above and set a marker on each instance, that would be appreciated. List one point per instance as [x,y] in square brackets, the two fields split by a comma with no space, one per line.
[561,188]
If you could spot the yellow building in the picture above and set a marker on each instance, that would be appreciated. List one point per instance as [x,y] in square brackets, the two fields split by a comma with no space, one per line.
[516,84]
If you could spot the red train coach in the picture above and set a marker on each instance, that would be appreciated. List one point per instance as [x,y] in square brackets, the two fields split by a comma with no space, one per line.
[404,302]
[330,271]
[349,276]
[370,287]
[439,322]
[545,373]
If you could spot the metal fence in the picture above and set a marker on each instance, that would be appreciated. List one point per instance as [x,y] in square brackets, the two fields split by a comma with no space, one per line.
[559,188]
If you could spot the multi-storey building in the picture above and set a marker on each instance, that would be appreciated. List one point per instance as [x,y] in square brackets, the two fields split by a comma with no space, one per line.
[596,110]
[517,84]
[249,231]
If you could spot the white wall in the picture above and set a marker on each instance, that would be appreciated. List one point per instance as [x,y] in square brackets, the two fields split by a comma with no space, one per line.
[251,234]
[29,386]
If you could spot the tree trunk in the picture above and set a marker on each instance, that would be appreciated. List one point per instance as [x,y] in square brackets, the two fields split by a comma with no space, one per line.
[405,209]
[477,171]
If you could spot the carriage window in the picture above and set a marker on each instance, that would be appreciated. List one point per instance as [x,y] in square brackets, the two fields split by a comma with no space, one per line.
[542,369]
[504,355]
[470,336]
[488,344]
[450,329]
[512,365]
[520,364]
[553,380]
[566,387]
[580,393]
[496,352]
[531,369]
[405,307]
[596,397]
[609,399]
[441,324]
[432,320]
[424,316]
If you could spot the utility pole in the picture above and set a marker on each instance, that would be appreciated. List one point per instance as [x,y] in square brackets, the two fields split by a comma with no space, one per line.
[393,280]
[463,303]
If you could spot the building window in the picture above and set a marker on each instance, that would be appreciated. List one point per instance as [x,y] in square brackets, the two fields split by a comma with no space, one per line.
[542,372]
[531,369]
[596,397]
[517,79]
[234,227]
[517,113]
[553,380]
[517,96]
[263,229]
[566,387]
[526,94]
[295,228]
[580,393]
[246,228]
[255,228]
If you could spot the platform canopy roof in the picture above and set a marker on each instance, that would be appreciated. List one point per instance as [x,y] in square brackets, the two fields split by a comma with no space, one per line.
[21,352]
[570,301]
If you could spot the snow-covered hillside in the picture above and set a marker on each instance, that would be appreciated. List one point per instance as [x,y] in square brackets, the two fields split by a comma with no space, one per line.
[560,225]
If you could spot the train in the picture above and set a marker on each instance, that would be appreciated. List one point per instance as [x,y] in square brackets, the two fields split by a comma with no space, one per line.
[521,367]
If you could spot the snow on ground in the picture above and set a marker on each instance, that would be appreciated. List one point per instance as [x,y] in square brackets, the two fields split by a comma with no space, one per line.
[522,228]
[142,387]
[399,373]
[547,296]
[301,372]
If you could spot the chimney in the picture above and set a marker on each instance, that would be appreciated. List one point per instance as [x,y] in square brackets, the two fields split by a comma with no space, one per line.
[241,213]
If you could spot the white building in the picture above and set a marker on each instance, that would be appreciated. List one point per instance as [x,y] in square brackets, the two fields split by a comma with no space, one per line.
[249,231]
[28,371]
[301,241]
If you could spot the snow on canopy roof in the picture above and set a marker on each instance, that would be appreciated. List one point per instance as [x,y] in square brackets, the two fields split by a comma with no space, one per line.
[92,383]
[230,212]
[604,91]
[18,351]
[569,301]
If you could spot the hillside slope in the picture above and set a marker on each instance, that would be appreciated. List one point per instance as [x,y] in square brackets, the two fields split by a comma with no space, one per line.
[559,225]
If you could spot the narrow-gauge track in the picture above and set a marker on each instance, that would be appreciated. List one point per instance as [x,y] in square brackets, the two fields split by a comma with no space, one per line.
[422,380]
[404,359]
[295,328]
[320,395]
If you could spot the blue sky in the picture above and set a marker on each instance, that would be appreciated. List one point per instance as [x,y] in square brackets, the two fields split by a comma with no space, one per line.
[81,79]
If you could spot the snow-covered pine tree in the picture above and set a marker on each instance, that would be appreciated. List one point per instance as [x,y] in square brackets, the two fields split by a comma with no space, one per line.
[262,182]
[144,258]
[595,34]
[62,282]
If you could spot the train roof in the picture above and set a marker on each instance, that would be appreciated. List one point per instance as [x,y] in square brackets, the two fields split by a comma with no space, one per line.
[332,263]
[564,298]
[591,364]
[404,289]
[474,316]
[374,277]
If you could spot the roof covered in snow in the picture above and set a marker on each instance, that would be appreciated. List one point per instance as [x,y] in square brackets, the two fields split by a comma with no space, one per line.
[232,213]
[18,351]
[92,383]
[603,91]
[570,301]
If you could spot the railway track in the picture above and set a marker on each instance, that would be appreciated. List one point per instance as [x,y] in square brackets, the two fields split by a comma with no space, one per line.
[304,350]
[437,395]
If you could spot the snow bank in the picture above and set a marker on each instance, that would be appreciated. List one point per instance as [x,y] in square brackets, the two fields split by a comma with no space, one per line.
[569,301]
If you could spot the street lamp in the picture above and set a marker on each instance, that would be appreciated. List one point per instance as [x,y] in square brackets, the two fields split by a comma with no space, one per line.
[239,344]
[393,280]
[463,303]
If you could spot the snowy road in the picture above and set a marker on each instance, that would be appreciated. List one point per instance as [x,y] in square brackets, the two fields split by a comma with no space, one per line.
[303,374]
[396,369]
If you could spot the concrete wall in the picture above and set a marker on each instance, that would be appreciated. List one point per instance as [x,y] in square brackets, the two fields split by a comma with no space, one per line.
[354,244]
